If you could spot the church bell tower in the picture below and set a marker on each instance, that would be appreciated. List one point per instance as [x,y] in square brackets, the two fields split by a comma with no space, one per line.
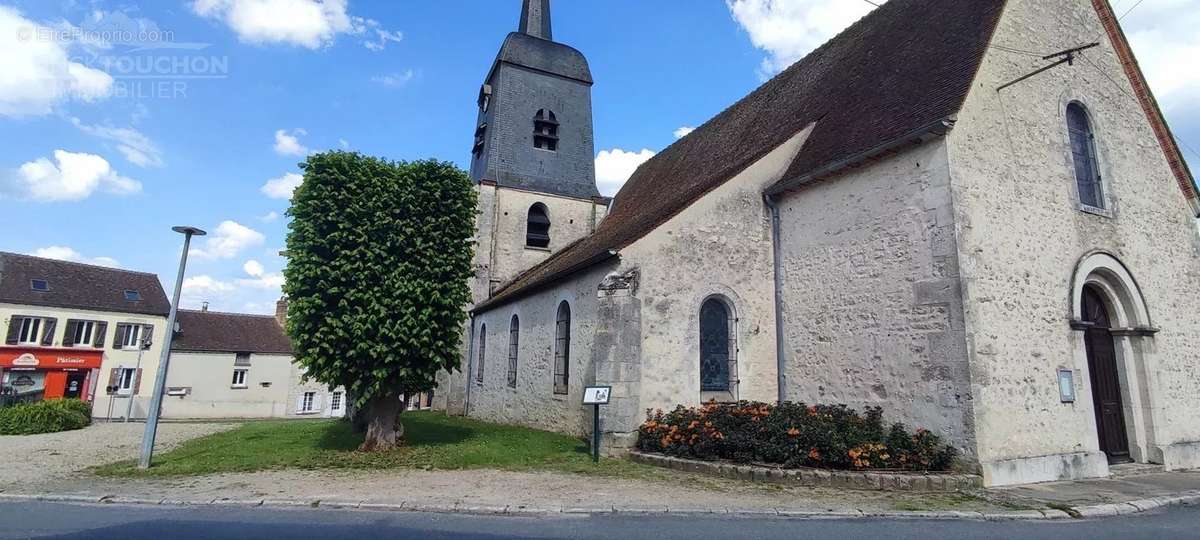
[533,157]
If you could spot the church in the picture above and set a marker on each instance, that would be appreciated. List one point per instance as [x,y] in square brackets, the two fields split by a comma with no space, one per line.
[971,214]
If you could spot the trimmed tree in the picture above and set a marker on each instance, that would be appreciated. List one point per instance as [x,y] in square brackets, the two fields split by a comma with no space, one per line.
[379,258]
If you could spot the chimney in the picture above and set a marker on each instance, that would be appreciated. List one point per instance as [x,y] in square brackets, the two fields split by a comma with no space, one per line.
[281,311]
[204,307]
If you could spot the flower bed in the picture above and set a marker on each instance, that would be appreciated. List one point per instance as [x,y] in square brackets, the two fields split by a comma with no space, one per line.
[793,435]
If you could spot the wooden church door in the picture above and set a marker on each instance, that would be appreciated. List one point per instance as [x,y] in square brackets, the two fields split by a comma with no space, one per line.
[1106,386]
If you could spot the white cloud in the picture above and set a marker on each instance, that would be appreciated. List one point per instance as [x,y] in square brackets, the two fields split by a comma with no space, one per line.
[614,167]
[133,144]
[789,29]
[305,23]
[70,177]
[683,132]
[395,80]
[253,268]
[288,144]
[282,187]
[382,37]
[344,144]
[64,253]
[38,72]
[269,217]
[203,284]
[1165,41]
[228,240]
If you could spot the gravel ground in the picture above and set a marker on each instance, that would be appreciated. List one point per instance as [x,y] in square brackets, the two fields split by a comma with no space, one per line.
[52,457]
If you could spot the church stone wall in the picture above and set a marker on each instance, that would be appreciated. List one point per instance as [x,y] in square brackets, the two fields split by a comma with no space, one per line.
[872,303]
[570,220]
[1021,238]
[720,245]
[533,402]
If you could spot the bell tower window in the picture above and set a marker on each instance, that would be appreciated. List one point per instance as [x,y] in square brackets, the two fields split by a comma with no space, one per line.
[545,130]
[537,229]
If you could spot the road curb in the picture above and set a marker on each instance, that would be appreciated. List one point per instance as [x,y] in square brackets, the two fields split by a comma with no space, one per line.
[1092,511]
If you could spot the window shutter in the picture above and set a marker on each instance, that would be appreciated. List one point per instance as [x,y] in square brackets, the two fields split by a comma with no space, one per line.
[137,381]
[316,402]
[120,336]
[101,330]
[114,375]
[14,330]
[146,337]
[69,336]
[48,332]
[300,404]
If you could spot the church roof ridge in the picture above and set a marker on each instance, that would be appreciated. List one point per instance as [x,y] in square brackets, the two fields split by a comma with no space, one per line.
[925,52]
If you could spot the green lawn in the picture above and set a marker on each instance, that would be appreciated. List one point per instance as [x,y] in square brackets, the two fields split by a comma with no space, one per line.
[432,441]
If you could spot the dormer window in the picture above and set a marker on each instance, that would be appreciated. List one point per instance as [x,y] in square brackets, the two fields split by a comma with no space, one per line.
[39,285]
[545,130]
[537,228]
[133,296]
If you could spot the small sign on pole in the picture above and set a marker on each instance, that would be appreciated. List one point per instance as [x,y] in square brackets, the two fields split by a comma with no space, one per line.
[596,396]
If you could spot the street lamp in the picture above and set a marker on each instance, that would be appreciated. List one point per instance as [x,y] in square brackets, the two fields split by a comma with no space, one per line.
[160,379]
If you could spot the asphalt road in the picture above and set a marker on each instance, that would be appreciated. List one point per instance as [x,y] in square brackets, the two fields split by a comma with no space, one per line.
[54,520]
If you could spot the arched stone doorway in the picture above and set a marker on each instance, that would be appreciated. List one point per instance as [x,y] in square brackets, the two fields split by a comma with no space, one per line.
[1114,347]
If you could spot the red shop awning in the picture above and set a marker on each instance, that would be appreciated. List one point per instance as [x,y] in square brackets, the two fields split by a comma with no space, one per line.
[50,358]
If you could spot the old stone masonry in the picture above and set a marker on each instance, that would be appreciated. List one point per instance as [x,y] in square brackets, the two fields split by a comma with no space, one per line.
[901,219]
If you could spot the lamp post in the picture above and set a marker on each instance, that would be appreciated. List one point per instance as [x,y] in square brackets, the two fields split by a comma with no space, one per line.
[160,378]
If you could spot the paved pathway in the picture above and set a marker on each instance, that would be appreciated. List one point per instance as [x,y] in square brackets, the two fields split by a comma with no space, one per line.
[32,520]
[1107,495]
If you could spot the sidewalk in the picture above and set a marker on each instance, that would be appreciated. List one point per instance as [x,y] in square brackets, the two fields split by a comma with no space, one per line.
[1108,496]
[514,493]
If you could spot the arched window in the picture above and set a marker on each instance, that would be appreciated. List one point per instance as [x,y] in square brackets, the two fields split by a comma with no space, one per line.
[482,353]
[537,227]
[545,130]
[716,346]
[562,348]
[1083,154]
[514,335]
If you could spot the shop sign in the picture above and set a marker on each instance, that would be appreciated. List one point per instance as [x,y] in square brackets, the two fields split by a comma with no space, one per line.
[25,360]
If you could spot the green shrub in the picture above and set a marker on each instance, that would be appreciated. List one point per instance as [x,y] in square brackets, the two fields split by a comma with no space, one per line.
[45,417]
[793,435]
[78,405]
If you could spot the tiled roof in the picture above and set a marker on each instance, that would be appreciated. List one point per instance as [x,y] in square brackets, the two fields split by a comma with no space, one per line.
[79,286]
[905,65]
[211,331]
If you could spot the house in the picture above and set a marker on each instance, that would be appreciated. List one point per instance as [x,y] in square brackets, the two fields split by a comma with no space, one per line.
[230,365]
[80,331]
[971,214]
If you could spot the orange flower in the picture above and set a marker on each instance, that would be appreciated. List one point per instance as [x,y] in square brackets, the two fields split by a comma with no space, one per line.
[812,410]
[814,455]
[793,433]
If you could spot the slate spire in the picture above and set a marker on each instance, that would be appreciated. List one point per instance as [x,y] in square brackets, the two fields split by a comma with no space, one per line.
[535,19]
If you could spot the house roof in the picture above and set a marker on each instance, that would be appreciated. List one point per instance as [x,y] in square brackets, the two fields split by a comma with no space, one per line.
[211,331]
[79,286]
[907,64]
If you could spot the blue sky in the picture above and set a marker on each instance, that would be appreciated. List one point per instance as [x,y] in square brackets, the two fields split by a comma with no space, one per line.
[121,119]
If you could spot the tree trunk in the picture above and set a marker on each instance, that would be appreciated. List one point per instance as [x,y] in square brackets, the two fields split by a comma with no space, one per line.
[384,430]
